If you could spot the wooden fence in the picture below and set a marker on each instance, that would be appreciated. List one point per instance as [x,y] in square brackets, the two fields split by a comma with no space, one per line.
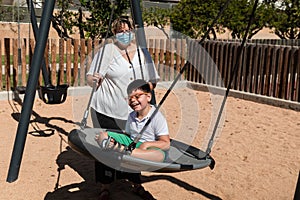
[268,70]
[283,42]
[262,69]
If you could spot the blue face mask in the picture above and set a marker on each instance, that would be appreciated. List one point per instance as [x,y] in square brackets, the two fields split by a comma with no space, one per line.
[124,38]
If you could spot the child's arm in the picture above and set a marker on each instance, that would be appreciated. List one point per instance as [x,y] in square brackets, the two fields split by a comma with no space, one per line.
[163,143]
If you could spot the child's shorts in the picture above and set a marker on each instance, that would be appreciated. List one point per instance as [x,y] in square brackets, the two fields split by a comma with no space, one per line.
[126,140]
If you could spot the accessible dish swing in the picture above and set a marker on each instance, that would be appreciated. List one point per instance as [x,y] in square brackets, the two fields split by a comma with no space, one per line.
[49,93]
[180,156]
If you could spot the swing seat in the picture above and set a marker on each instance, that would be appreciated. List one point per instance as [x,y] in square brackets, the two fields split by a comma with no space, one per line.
[180,156]
[53,94]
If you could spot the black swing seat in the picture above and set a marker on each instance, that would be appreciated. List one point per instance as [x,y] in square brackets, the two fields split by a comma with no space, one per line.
[53,94]
[180,156]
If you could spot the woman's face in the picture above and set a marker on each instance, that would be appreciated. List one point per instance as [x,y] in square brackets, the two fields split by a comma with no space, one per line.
[124,35]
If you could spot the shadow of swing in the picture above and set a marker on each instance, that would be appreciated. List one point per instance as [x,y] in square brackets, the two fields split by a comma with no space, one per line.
[88,189]
[180,183]
[38,132]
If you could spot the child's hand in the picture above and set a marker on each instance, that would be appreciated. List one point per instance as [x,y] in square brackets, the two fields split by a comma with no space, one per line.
[101,136]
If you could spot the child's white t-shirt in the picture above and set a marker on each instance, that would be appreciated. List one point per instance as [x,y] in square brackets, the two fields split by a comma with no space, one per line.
[157,127]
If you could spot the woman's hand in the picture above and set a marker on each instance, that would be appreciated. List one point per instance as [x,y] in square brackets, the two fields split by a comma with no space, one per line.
[95,78]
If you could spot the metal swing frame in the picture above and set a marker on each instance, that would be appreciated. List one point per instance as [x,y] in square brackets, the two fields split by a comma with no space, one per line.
[33,80]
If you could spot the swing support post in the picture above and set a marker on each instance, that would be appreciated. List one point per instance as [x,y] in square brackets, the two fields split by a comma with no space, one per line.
[35,29]
[141,36]
[137,18]
[30,92]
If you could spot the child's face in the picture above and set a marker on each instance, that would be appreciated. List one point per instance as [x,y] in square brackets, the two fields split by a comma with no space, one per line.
[139,100]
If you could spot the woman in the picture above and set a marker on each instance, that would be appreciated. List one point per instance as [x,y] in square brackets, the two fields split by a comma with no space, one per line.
[116,65]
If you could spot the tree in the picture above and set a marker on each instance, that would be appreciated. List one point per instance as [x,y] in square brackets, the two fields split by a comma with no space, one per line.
[91,17]
[285,18]
[238,14]
[3,12]
[193,17]
[158,17]
[12,13]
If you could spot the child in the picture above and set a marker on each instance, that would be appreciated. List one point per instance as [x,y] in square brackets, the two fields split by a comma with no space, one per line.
[154,140]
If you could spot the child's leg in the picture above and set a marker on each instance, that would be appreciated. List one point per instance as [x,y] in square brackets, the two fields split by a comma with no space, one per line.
[155,155]
[152,154]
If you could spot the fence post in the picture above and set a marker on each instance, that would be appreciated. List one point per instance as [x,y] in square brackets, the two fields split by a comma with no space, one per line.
[297,84]
[24,71]
[75,64]
[156,53]
[161,59]
[178,55]
[68,61]
[83,62]
[279,81]
[285,72]
[61,61]
[1,74]
[267,71]
[168,59]
[15,64]
[172,57]
[7,62]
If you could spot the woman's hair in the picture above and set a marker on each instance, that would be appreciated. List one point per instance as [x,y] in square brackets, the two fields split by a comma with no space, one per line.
[138,84]
[117,24]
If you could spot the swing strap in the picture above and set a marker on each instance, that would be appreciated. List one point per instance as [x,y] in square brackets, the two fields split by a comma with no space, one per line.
[94,88]
[233,73]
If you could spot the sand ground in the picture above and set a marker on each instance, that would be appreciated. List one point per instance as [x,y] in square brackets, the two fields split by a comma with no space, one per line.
[257,153]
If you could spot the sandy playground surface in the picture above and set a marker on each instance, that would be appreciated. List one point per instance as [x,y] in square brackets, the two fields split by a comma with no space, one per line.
[257,153]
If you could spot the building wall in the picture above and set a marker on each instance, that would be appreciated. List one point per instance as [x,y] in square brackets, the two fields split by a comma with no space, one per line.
[11,30]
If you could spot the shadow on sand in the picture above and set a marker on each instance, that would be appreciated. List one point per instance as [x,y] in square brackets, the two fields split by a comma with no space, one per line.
[84,166]
[88,189]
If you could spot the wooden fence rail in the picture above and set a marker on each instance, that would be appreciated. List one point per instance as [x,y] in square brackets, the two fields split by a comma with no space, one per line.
[268,70]
[282,42]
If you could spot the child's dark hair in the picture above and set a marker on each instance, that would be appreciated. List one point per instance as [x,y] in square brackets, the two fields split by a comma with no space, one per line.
[138,84]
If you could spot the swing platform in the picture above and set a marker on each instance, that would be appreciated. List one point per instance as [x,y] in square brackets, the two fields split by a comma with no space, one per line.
[180,156]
